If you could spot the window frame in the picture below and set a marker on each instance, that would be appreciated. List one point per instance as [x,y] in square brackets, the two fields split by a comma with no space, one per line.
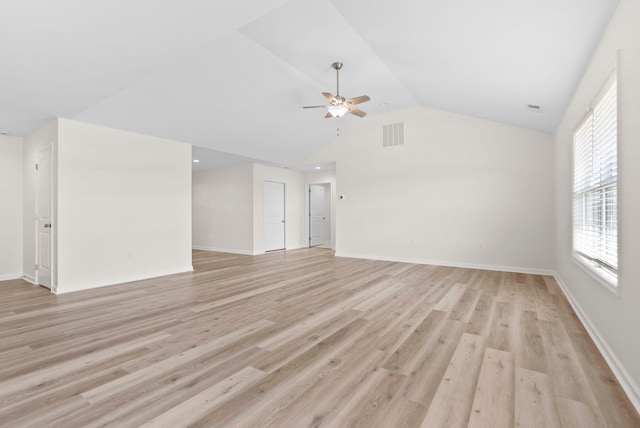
[599,270]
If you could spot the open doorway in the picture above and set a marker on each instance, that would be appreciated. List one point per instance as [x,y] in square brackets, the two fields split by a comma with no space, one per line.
[320,218]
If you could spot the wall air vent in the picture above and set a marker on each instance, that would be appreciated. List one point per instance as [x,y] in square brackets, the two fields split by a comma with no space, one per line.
[536,108]
[393,134]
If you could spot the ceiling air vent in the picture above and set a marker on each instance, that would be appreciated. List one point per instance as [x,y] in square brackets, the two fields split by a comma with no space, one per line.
[393,134]
[536,108]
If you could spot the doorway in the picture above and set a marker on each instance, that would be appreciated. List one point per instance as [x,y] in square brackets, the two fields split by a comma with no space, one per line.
[274,216]
[44,223]
[320,227]
[317,215]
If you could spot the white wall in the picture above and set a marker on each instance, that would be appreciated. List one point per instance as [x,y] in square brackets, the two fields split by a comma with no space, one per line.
[45,136]
[228,208]
[11,207]
[460,191]
[124,206]
[614,320]
[294,201]
[223,209]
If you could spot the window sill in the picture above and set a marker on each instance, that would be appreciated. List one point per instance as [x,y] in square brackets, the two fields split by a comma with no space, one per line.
[608,280]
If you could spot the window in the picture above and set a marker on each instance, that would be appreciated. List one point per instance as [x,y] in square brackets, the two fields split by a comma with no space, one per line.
[595,187]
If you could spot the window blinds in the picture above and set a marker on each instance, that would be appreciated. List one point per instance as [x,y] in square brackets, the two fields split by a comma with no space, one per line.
[595,182]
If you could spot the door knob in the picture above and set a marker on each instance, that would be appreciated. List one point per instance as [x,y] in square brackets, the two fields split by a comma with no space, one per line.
[47,225]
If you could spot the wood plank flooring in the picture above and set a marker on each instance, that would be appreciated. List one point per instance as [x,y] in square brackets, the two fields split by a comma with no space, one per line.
[304,339]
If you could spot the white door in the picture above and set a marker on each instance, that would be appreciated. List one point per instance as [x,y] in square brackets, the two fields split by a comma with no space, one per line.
[274,220]
[43,217]
[316,215]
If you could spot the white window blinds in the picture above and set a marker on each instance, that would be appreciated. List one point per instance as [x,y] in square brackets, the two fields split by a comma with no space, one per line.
[595,182]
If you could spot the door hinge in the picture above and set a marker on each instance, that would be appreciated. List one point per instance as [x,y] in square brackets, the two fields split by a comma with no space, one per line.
[36,268]
[36,167]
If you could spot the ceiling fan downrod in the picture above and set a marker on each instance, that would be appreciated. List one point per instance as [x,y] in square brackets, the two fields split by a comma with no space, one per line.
[337,66]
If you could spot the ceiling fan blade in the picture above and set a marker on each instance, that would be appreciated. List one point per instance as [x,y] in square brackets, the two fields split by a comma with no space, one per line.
[328,115]
[329,96]
[358,100]
[357,112]
[314,107]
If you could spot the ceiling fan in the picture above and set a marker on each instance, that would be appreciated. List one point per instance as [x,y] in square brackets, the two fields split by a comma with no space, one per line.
[338,105]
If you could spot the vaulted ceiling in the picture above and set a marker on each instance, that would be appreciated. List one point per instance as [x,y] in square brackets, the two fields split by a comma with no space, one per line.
[232,75]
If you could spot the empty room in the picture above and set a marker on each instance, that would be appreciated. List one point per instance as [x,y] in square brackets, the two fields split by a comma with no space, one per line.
[286,213]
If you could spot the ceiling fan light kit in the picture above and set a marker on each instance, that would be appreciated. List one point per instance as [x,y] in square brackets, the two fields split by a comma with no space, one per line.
[338,105]
[338,111]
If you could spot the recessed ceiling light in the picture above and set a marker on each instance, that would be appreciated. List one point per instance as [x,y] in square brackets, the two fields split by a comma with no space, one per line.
[384,104]
[196,161]
[317,167]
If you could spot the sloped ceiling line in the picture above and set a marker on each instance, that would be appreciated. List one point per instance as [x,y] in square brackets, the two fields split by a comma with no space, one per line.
[232,75]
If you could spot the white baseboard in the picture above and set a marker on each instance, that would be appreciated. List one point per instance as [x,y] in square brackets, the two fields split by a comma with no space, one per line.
[8,277]
[449,264]
[123,280]
[225,250]
[242,252]
[30,279]
[621,374]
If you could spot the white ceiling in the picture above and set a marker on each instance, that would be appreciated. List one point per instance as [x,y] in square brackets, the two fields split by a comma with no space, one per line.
[232,75]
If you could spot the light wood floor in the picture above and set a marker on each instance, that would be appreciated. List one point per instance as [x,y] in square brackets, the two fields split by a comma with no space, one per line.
[304,339]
